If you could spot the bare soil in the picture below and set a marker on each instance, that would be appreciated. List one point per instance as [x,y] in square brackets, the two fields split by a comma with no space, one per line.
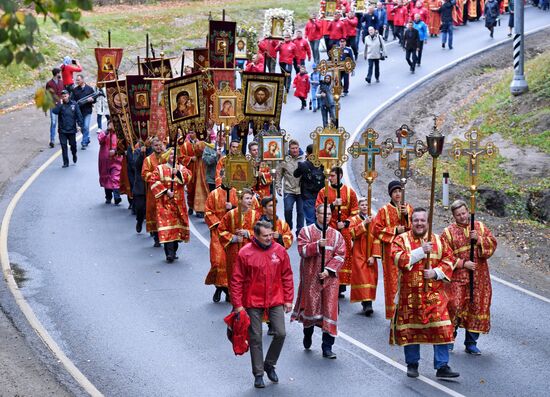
[523,251]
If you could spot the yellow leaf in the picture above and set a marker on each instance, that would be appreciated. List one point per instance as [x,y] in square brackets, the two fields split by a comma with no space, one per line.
[20,15]
[39,97]
[5,21]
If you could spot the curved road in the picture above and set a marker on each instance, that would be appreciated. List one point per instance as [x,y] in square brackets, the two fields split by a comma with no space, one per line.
[135,325]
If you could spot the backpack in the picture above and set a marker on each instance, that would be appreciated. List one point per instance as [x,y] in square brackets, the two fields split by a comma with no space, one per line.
[314,179]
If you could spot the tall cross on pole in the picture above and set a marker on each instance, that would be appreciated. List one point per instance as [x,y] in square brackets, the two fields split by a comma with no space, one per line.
[473,152]
[335,66]
[404,147]
[370,150]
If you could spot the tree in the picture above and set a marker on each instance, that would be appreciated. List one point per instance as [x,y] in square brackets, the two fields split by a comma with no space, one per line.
[19,27]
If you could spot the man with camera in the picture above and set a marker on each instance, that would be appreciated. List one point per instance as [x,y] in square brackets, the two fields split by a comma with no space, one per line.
[83,95]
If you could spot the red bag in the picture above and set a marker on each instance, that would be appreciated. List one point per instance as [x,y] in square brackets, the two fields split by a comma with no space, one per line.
[237,331]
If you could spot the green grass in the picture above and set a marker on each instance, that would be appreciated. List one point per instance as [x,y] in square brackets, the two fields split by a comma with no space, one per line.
[128,29]
[515,118]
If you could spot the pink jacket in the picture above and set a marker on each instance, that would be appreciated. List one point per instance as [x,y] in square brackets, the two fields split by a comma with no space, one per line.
[109,166]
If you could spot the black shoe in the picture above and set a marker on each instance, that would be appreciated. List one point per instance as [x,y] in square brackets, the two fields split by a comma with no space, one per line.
[450,47]
[412,370]
[271,374]
[74,158]
[64,165]
[157,244]
[378,80]
[199,215]
[117,200]
[307,342]
[169,259]
[82,147]
[367,308]
[442,45]
[226,292]
[217,295]
[259,382]
[139,226]
[367,80]
[341,291]
[107,200]
[329,354]
[190,211]
[446,372]
[52,144]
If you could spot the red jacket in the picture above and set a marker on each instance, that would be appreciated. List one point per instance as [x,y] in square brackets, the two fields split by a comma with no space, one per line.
[237,331]
[314,30]
[262,278]
[268,47]
[337,30]
[351,26]
[389,9]
[287,52]
[302,49]
[424,14]
[301,84]
[400,15]
[324,26]
[67,73]
[257,67]
[55,87]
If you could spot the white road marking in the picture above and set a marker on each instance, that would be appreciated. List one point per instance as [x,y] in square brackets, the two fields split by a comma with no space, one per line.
[353,341]
[26,309]
[363,125]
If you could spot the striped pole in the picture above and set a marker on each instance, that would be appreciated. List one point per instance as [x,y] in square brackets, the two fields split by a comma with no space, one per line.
[519,84]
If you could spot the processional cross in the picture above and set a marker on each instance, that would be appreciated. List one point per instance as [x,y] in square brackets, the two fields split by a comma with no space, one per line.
[335,65]
[474,153]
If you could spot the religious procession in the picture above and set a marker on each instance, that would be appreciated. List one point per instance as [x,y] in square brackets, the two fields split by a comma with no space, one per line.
[303,221]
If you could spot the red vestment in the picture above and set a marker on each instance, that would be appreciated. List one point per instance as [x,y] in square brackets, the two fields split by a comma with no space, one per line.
[434,23]
[228,229]
[263,181]
[220,169]
[348,209]
[316,303]
[150,163]
[385,229]
[474,316]
[214,212]
[364,277]
[421,316]
[458,13]
[197,189]
[172,217]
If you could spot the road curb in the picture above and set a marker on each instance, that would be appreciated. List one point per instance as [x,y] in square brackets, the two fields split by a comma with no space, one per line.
[22,303]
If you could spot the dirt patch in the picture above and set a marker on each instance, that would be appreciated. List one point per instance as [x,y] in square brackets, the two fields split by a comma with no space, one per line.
[523,245]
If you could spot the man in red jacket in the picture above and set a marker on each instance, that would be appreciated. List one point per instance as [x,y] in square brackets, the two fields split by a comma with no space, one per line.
[336,30]
[303,51]
[287,53]
[262,281]
[351,28]
[314,33]
[400,18]
[268,49]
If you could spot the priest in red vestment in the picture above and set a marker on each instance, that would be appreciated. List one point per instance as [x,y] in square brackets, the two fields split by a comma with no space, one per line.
[172,220]
[149,166]
[421,315]
[190,155]
[472,315]
[391,220]
[317,300]
[346,206]
[281,231]
[220,166]
[364,270]
[263,173]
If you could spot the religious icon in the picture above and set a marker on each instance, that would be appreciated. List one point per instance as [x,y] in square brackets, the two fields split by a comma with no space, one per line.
[261,97]
[107,62]
[330,8]
[239,175]
[222,45]
[183,101]
[141,100]
[240,48]
[272,148]
[120,100]
[277,28]
[329,145]
[227,106]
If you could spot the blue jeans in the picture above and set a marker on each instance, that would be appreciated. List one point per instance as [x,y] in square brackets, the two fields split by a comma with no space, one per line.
[325,111]
[53,126]
[441,355]
[289,200]
[314,44]
[471,338]
[286,68]
[309,210]
[447,31]
[314,102]
[86,129]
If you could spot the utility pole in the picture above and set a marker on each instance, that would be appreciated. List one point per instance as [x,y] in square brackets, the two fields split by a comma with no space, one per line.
[519,84]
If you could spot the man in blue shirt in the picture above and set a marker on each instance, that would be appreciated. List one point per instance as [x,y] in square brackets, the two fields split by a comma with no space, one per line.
[382,20]
[423,34]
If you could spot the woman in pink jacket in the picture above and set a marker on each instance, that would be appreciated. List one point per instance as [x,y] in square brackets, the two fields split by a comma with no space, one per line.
[110,164]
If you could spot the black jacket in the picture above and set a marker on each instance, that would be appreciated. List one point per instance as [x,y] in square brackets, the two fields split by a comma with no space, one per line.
[309,190]
[69,116]
[411,39]
[368,20]
[138,187]
[81,92]
[446,11]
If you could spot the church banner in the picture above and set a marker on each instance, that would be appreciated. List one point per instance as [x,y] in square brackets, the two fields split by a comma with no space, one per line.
[108,61]
[221,44]
[156,68]
[158,124]
[117,99]
[139,99]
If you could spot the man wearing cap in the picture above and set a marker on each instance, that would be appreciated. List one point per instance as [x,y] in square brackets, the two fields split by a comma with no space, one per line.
[391,220]
[69,117]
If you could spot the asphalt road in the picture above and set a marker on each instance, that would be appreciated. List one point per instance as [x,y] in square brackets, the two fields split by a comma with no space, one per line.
[137,326]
